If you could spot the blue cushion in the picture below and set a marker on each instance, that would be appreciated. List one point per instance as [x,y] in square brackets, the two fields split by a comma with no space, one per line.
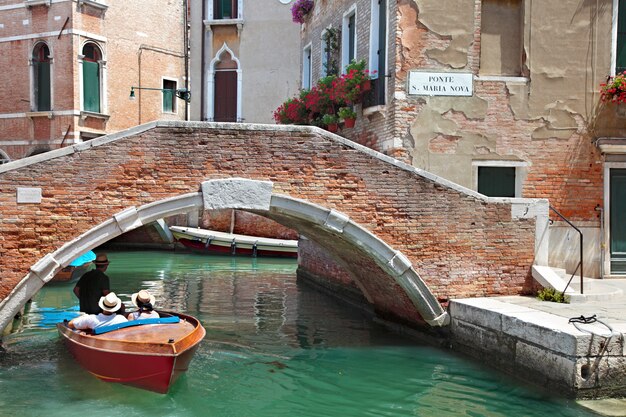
[161,320]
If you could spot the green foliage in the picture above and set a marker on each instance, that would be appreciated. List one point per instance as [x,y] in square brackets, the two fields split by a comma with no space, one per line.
[329,119]
[346,113]
[550,294]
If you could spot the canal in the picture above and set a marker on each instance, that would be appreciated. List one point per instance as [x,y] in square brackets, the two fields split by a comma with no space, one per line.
[274,347]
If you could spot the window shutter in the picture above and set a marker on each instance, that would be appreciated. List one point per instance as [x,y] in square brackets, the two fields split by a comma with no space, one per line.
[91,86]
[168,100]
[496,181]
[43,86]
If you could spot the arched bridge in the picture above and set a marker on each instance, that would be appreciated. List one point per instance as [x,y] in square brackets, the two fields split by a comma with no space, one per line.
[410,240]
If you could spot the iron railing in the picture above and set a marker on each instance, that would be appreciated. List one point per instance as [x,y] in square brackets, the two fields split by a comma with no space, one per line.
[580,263]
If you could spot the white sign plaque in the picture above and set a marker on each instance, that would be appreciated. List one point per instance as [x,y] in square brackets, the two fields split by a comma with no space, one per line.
[440,83]
[29,195]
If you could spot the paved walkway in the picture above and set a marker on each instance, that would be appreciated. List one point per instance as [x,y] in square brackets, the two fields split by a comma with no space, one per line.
[604,298]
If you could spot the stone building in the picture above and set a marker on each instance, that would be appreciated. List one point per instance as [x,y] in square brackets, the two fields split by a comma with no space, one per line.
[245,59]
[499,96]
[68,67]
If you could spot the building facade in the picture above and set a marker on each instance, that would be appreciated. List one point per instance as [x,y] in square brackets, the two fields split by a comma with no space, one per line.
[245,59]
[69,65]
[502,97]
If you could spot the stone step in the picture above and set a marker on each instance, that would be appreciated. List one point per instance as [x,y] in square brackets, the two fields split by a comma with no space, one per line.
[593,289]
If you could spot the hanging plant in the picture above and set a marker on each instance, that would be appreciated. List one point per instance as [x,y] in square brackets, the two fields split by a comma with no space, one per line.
[300,9]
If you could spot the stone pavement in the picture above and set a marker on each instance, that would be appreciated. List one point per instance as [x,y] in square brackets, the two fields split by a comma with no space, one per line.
[606,299]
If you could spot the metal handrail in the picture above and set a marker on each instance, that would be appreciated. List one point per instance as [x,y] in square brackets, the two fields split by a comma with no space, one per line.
[580,264]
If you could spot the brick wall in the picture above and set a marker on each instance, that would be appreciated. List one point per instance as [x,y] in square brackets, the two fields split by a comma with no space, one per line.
[460,245]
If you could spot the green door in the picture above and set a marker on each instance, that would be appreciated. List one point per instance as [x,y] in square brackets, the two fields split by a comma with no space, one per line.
[91,86]
[618,220]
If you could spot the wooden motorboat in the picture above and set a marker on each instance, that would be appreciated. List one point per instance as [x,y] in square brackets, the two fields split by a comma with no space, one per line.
[149,353]
[211,241]
[75,269]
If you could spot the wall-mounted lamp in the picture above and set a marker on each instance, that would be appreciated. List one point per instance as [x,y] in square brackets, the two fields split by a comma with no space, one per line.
[181,93]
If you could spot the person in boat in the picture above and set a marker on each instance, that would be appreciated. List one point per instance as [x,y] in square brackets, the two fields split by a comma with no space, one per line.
[144,301]
[109,304]
[93,285]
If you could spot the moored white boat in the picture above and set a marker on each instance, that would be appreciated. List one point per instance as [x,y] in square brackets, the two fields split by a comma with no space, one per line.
[211,241]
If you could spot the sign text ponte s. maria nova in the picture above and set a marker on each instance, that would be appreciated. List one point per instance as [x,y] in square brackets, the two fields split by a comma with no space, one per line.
[440,83]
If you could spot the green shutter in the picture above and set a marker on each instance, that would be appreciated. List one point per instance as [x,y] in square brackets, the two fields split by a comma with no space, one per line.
[496,181]
[618,220]
[351,38]
[91,86]
[621,38]
[43,86]
[168,101]
[227,9]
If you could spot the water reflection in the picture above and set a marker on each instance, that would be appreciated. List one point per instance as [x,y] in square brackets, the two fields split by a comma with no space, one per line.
[274,347]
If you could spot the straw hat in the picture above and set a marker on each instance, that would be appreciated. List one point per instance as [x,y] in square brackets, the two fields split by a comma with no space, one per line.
[142,297]
[101,259]
[110,303]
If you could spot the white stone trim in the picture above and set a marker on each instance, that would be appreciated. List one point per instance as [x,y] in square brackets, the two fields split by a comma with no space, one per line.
[42,35]
[345,37]
[608,166]
[210,82]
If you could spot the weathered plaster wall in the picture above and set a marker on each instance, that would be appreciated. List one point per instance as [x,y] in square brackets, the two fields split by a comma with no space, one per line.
[540,117]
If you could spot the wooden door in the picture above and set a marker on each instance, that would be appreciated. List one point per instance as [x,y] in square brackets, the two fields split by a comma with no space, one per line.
[618,220]
[225,96]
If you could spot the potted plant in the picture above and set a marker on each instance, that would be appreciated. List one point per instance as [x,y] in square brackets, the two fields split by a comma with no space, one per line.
[331,122]
[300,9]
[348,115]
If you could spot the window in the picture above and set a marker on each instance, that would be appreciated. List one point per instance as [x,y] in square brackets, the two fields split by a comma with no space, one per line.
[41,77]
[501,37]
[378,54]
[329,47]
[306,68]
[169,96]
[225,9]
[92,58]
[348,42]
[226,95]
[499,178]
[620,55]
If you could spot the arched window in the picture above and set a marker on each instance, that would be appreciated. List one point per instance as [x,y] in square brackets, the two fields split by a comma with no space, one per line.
[41,77]
[92,58]
[225,97]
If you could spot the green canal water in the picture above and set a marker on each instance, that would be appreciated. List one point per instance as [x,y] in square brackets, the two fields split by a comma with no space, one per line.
[274,347]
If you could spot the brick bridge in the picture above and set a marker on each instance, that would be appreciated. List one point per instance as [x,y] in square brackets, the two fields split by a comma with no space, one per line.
[409,240]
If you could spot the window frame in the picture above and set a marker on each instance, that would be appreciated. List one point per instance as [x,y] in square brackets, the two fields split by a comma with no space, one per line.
[616,38]
[212,12]
[307,67]
[35,77]
[101,71]
[174,101]
[521,170]
[346,42]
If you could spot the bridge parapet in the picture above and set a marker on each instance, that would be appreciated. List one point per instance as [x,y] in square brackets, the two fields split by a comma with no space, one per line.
[410,239]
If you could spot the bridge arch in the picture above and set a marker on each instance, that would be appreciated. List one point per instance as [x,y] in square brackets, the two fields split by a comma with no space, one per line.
[248,195]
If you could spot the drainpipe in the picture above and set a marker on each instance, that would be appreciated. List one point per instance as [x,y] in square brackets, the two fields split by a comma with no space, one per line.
[186,53]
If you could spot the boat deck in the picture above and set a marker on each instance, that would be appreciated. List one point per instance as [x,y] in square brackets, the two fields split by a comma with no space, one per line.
[150,333]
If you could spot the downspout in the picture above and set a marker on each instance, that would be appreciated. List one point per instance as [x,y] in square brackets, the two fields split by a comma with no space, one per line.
[139,84]
[186,53]
[202,59]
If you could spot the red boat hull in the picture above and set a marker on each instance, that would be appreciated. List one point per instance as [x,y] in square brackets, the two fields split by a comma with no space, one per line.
[150,366]
[225,250]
